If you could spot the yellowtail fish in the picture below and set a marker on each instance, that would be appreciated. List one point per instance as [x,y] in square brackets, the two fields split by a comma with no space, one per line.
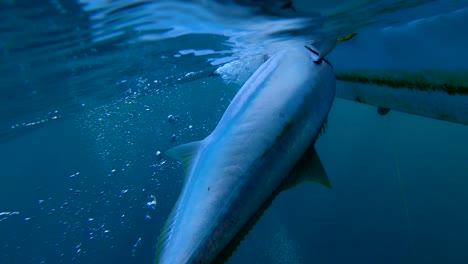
[262,145]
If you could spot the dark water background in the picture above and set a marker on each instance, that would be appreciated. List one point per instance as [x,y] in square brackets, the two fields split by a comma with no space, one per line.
[82,121]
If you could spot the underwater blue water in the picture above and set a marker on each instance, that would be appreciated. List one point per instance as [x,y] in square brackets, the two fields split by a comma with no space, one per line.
[94,92]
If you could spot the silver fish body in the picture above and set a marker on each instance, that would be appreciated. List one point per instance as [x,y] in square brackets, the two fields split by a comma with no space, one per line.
[264,132]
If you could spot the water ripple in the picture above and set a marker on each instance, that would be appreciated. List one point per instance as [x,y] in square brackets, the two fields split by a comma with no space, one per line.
[64,55]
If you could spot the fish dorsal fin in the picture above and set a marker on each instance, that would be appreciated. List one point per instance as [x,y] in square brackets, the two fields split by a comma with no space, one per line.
[309,168]
[185,153]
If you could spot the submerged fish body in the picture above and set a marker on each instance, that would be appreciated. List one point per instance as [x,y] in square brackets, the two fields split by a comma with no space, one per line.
[232,173]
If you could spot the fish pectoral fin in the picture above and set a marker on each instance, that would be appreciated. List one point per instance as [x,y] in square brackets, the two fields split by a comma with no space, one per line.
[309,168]
[185,152]
[326,45]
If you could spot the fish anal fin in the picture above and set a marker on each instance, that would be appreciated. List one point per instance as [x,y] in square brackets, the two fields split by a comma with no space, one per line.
[309,168]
